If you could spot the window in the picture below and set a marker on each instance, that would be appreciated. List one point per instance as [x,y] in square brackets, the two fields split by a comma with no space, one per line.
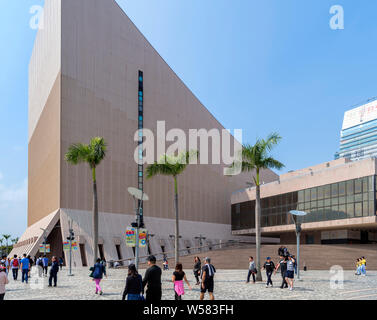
[320,192]
[334,190]
[358,186]
[327,192]
[342,188]
[307,195]
[350,187]
[358,209]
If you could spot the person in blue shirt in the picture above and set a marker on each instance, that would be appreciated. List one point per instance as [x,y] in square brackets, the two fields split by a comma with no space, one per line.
[54,272]
[25,263]
[45,265]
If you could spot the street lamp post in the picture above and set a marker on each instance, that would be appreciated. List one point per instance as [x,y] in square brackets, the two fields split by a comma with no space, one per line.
[70,238]
[44,240]
[137,194]
[295,216]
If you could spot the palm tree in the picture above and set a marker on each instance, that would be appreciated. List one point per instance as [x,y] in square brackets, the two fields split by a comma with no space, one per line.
[255,158]
[92,154]
[14,241]
[172,166]
[6,237]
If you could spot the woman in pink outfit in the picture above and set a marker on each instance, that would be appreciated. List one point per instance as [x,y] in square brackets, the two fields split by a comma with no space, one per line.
[3,281]
[178,277]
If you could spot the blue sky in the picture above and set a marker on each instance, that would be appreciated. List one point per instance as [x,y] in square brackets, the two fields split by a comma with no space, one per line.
[261,66]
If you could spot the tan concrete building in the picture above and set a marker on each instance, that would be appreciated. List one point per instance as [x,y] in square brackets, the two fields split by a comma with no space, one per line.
[339,197]
[87,70]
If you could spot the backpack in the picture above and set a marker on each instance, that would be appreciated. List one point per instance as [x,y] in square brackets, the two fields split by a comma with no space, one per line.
[15,263]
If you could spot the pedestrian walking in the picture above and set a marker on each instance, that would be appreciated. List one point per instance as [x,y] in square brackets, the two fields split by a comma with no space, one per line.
[295,263]
[290,272]
[39,264]
[252,270]
[152,278]
[178,277]
[283,269]
[15,265]
[165,263]
[134,285]
[363,266]
[30,265]
[45,264]
[61,262]
[197,268]
[358,267]
[53,272]
[269,266]
[99,270]
[25,263]
[208,283]
[3,281]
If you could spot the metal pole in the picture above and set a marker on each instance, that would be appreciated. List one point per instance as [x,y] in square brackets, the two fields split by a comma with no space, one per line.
[298,254]
[137,233]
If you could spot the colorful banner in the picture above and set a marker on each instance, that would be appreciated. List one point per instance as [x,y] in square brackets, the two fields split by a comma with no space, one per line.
[143,238]
[42,248]
[66,246]
[131,237]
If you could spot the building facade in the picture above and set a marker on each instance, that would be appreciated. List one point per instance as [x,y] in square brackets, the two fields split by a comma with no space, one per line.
[92,73]
[339,197]
[358,138]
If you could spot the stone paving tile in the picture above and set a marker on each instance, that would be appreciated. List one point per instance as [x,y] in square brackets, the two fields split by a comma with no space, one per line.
[229,284]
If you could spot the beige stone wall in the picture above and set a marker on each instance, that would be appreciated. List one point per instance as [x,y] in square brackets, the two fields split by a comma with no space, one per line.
[102,52]
[44,160]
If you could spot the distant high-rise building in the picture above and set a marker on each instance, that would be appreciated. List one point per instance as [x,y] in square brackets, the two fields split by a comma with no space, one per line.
[358,138]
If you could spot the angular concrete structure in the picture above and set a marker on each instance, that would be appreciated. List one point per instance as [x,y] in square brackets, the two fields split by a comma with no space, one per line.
[84,82]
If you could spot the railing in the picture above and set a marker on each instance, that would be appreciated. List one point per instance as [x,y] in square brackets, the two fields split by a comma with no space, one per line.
[186,251]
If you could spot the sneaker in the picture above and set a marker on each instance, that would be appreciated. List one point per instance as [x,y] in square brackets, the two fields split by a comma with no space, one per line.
[96,292]
[101,293]
[290,288]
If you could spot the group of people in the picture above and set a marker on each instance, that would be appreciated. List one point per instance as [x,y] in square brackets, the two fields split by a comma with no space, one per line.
[24,265]
[287,265]
[361,266]
[135,284]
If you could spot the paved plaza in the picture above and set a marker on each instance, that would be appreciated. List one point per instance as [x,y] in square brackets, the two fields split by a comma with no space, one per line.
[229,284]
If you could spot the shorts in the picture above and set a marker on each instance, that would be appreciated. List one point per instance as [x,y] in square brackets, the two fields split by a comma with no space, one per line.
[289,274]
[208,286]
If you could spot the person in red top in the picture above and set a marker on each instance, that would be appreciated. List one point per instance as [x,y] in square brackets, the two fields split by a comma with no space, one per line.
[15,265]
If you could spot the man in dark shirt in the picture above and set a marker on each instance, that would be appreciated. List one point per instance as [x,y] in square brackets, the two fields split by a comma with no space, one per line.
[208,274]
[152,277]
[283,268]
[269,266]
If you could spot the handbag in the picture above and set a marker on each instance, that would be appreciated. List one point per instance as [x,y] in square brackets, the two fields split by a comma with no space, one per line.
[92,271]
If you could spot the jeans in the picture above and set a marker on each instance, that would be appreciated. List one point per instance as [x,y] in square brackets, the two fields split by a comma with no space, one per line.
[45,269]
[284,284]
[53,275]
[153,295]
[269,274]
[250,273]
[25,275]
[15,273]
[2,296]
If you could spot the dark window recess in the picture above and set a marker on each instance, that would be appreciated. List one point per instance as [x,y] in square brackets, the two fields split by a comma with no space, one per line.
[101,252]
[83,255]
[163,249]
[119,253]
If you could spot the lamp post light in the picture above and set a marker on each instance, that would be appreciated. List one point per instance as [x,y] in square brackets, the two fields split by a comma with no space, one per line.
[295,216]
[137,194]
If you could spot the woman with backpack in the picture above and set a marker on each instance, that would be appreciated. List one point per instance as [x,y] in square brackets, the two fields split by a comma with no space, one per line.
[98,270]
[134,285]
[178,277]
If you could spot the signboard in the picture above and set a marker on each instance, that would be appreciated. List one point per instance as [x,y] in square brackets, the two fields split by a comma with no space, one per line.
[66,246]
[143,238]
[131,237]
[360,115]
[42,248]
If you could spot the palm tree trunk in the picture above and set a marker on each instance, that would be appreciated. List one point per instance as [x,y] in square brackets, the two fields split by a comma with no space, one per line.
[95,217]
[176,221]
[257,231]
